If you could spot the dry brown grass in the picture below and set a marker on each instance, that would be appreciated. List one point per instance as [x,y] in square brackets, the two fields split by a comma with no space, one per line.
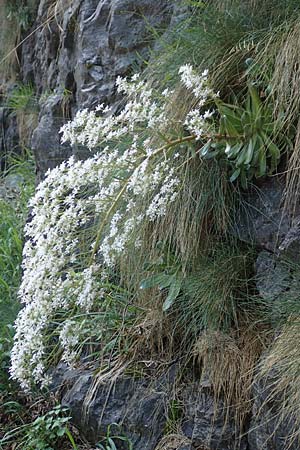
[56,11]
[228,361]
[173,442]
[280,372]
[278,56]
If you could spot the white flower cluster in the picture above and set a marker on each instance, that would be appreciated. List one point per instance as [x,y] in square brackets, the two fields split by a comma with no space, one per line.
[197,123]
[89,128]
[57,275]
[198,84]
[85,214]
[69,338]
[196,120]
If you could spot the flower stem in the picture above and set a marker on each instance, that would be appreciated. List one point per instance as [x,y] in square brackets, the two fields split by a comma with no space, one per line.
[124,187]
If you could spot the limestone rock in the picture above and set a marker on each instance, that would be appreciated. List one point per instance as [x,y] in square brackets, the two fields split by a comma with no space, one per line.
[205,424]
[261,219]
[272,276]
[74,60]
[138,406]
[266,431]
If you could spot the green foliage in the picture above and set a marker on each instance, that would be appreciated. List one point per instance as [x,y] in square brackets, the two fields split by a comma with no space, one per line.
[113,436]
[166,274]
[175,410]
[20,11]
[22,98]
[247,136]
[46,430]
[238,42]
[220,35]
[44,433]
[104,330]
[213,294]
[16,187]
[207,296]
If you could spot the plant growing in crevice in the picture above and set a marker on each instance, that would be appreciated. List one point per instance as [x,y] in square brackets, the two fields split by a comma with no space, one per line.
[166,274]
[278,372]
[250,138]
[22,98]
[99,214]
[22,101]
[175,411]
[20,11]
[114,436]
[86,215]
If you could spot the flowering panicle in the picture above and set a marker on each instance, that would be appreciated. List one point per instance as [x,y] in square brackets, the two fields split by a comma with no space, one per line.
[89,128]
[197,120]
[86,214]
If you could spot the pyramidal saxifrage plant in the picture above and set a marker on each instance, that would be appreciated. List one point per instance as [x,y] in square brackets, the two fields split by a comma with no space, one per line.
[87,214]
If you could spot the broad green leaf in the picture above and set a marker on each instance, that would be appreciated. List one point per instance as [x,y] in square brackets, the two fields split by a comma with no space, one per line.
[173,293]
[205,148]
[166,281]
[235,175]
[212,154]
[231,125]
[242,156]
[256,102]
[250,150]
[227,148]
[156,280]
[112,444]
[244,179]
[234,150]
[262,162]
[61,431]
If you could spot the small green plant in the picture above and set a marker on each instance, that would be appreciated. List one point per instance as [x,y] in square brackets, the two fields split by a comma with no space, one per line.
[248,136]
[19,12]
[212,294]
[22,98]
[47,430]
[174,414]
[113,435]
[44,433]
[16,186]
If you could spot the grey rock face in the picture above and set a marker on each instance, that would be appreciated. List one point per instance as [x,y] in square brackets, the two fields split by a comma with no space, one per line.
[48,150]
[290,246]
[74,65]
[272,276]
[205,424]
[262,220]
[267,432]
[138,406]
